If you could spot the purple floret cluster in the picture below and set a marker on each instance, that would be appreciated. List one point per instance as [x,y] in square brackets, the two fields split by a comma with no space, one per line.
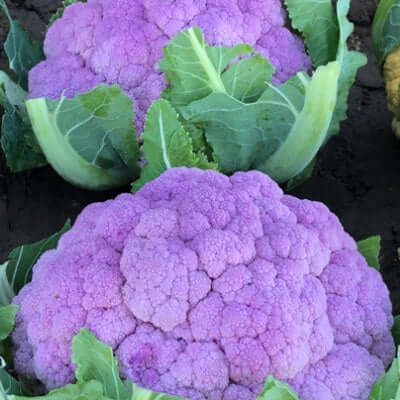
[204,285]
[121,41]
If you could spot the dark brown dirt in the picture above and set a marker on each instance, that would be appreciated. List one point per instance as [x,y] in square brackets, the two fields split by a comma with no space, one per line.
[357,174]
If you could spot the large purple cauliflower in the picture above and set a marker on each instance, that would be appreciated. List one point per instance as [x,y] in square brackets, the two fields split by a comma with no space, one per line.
[121,41]
[204,285]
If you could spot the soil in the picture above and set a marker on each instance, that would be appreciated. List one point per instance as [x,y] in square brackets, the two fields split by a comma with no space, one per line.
[357,174]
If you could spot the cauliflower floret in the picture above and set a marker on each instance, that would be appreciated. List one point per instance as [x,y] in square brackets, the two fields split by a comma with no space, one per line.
[204,285]
[94,42]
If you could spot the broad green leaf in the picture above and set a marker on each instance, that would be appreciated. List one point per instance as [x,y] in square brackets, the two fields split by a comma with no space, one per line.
[16,96]
[7,320]
[6,291]
[9,385]
[91,390]
[194,68]
[277,390]
[90,139]
[370,249]
[247,79]
[236,131]
[279,134]
[396,330]
[386,28]
[349,62]
[17,138]
[166,144]
[140,393]
[317,22]
[23,53]
[95,361]
[387,387]
[15,273]
[310,122]
[60,11]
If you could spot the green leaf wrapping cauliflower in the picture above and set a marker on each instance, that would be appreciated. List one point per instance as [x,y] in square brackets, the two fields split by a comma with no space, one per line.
[204,285]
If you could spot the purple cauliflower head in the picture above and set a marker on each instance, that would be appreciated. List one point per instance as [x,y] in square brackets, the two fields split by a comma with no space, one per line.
[99,42]
[204,285]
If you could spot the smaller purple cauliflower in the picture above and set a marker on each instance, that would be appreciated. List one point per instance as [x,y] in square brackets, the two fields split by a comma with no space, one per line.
[204,285]
[98,42]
